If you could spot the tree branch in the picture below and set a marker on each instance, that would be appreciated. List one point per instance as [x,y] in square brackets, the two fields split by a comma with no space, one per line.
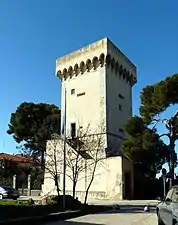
[164,135]
[175,116]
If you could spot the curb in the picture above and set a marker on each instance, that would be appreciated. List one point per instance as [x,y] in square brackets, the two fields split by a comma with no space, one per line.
[39,219]
[49,218]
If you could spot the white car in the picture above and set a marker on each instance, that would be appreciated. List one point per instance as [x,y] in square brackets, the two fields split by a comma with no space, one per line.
[167,209]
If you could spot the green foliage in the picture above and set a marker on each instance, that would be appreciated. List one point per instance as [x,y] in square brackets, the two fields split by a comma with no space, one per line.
[37,178]
[14,203]
[9,168]
[135,126]
[144,147]
[157,98]
[32,125]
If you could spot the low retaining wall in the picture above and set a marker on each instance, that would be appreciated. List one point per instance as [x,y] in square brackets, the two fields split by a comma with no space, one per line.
[91,195]
[24,192]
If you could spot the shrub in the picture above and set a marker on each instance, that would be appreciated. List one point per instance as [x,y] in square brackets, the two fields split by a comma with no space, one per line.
[14,203]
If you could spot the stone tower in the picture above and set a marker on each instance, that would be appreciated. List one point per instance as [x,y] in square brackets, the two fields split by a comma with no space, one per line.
[98,80]
[97,83]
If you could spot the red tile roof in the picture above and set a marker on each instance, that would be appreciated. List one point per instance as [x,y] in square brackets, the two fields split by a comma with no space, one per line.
[17,158]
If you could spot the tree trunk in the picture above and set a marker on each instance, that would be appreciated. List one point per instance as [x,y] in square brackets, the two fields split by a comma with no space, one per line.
[171,163]
[75,174]
[58,190]
[86,194]
[56,175]
[57,186]
[74,188]
[171,171]
[90,183]
[42,159]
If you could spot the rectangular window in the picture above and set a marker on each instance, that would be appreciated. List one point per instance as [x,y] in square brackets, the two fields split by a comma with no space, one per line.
[121,130]
[80,94]
[73,130]
[121,96]
[72,91]
[120,107]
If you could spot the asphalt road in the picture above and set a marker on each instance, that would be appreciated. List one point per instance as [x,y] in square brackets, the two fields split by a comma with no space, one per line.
[112,219]
[132,214]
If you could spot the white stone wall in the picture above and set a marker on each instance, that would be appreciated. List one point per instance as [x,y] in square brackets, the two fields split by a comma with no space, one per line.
[107,183]
[89,109]
[119,109]
[101,86]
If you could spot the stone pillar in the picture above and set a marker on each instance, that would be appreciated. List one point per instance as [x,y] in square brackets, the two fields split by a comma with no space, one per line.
[14,181]
[29,185]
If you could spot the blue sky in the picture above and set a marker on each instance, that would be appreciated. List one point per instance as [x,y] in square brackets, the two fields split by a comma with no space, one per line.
[34,33]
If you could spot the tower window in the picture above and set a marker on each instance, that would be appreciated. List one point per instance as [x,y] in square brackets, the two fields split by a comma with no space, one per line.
[121,130]
[72,91]
[80,94]
[73,130]
[121,96]
[120,107]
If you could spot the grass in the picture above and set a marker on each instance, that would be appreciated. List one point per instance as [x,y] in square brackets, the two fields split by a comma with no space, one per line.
[19,209]
[13,203]
[15,210]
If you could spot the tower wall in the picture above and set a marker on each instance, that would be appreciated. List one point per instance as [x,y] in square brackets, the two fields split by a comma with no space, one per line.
[98,80]
[87,106]
[118,96]
[83,77]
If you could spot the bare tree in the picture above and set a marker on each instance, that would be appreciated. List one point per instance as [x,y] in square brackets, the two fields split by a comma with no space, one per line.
[76,157]
[75,163]
[75,166]
[54,160]
[83,152]
[96,149]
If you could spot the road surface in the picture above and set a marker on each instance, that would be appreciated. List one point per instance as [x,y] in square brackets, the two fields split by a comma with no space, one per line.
[132,214]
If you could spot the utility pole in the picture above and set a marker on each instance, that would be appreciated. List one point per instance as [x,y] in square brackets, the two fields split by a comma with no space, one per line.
[64,155]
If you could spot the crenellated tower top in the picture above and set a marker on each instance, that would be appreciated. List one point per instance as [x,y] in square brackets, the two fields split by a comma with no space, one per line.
[99,54]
